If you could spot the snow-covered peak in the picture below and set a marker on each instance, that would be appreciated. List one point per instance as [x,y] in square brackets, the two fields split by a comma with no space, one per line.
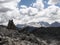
[39,24]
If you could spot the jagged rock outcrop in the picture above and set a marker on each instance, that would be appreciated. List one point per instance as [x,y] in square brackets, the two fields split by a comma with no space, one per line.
[11,25]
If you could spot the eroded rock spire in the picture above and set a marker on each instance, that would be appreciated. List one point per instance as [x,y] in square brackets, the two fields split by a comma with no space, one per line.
[11,25]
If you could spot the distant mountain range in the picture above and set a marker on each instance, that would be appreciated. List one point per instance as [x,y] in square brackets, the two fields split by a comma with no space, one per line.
[55,24]
[39,24]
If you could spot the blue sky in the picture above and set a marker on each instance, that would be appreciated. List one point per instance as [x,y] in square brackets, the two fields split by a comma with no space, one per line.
[58,5]
[45,3]
[26,2]
[29,2]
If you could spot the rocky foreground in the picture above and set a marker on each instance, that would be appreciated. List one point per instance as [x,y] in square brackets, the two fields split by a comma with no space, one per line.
[11,35]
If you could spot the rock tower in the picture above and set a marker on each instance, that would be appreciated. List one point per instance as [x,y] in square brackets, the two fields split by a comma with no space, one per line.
[11,25]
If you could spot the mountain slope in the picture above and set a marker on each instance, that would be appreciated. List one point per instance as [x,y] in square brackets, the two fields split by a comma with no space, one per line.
[55,24]
[13,37]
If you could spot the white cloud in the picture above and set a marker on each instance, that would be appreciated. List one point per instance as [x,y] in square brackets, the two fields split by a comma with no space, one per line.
[32,11]
[8,10]
[50,14]
[24,10]
[36,13]
[33,14]
[11,11]
[53,2]
[38,4]
[29,13]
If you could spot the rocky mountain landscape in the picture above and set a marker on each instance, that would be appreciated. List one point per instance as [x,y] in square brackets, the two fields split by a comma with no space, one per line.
[12,35]
[39,24]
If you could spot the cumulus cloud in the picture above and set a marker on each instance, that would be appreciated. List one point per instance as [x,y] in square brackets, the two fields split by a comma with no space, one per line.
[8,10]
[37,13]
[29,13]
[4,1]
[50,14]
[24,15]
[2,10]
[54,2]
[38,4]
